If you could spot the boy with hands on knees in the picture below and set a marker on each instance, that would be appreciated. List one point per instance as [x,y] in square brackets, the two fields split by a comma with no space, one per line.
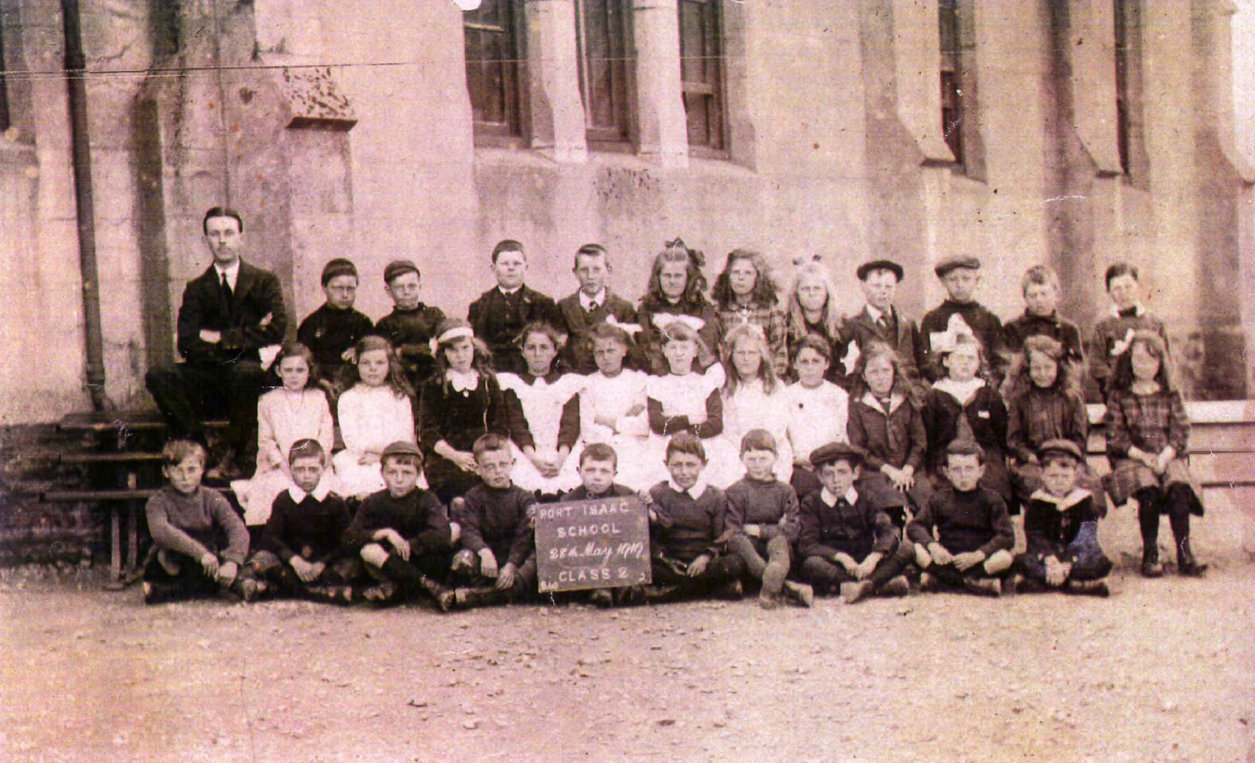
[496,519]
[840,526]
[199,542]
[964,536]
[403,533]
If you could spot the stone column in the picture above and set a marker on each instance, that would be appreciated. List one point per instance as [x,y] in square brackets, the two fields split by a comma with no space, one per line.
[660,94]
[557,112]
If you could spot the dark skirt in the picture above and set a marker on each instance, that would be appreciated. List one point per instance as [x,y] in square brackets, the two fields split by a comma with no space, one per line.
[1128,476]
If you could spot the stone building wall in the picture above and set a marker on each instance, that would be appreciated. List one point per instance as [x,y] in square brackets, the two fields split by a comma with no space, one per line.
[835,147]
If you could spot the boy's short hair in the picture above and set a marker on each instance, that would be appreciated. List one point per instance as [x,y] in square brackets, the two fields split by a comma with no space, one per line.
[307,448]
[599,451]
[402,452]
[175,451]
[591,250]
[489,442]
[1042,275]
[336,268]
[1121,269]
[964,448]
[611,332]
[507,245]
[758,439]
[221,212]
[686,443]
[400,267]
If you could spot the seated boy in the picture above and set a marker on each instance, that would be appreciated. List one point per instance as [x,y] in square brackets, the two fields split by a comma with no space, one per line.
[845,539]
[592,304]
[763,522]
[1061,527]
[498,557]
[199,542]
[331,331]
[411,324]
[963,537]
[598,467]
[402,533]
[1041,317]
[301,553]
[961,313]
[1126,315]
[687,520]
[500,313]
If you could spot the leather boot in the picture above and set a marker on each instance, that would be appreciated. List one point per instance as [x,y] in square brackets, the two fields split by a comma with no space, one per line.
[1186,563]
[444,597]
[1151,568]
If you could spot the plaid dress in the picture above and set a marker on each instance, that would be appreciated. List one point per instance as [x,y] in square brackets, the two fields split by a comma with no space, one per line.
[1149,422]
[770,318]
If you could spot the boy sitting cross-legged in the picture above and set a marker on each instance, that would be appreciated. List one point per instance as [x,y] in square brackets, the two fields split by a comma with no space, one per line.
[598,467]
[402,533]
[687,520]
[498,556]
[301,553]
[973,537]
[846,540]
[1061,526]
[763,522]
[199,542]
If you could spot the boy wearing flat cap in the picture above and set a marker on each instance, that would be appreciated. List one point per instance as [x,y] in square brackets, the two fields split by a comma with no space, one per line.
[960,313]
[331,331]
[411,324]
[1061,527]
[845,538]
[880,320]
[403,533]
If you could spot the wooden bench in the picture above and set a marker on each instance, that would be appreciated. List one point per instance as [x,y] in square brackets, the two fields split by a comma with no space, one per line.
[123,471]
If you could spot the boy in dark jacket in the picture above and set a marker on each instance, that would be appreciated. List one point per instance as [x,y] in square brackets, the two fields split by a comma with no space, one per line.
[402,532]
[963,537]
[846,540]
[500,313]
[412,324]
[498,556]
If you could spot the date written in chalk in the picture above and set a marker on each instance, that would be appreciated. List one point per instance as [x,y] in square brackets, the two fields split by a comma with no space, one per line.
[592,544]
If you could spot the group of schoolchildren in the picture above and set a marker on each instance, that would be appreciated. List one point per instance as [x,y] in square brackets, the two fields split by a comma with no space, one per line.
[781,446]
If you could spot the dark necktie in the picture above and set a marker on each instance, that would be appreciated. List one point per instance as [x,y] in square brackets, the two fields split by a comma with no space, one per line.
[1130,313]
[882,323]
[592,306]
[226,288]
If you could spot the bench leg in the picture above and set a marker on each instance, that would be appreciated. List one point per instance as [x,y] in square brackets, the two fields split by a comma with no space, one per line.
[115,538]
[132,533]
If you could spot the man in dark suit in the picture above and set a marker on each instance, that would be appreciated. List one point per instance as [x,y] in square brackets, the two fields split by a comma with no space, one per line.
[228,313]
[501,313]
[879,320]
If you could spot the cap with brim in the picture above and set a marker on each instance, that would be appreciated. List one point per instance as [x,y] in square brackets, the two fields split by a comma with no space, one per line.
[868,267]
[837,451]
[1059,446]
[944,267]
[397,267]
[401,448]
[336,268]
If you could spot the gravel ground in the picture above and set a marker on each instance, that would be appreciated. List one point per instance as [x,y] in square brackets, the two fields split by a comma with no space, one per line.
[1161,671]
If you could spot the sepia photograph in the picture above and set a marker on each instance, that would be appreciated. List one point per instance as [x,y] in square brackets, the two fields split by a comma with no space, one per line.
[798,380]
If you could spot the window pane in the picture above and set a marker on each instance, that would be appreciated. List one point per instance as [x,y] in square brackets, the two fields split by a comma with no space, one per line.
[701,68]
[602,27]
[493,65]
[4,88]
[951,69]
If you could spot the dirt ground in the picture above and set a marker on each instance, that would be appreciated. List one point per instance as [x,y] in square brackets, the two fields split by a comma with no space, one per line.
[1161,671]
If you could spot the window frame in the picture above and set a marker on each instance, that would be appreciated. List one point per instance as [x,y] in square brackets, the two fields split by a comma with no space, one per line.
[515,131]
[624,135]
[714,35]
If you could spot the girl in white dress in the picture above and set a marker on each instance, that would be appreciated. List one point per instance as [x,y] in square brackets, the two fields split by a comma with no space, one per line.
[375,412]
[753,397]
[296,411]
[612,406]
[687,400]
[550,403]
[819,411]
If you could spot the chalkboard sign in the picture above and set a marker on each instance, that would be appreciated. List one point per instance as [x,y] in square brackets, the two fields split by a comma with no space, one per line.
[598,543]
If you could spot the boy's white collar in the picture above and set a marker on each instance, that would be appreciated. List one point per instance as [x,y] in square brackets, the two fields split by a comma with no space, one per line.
[1114,310]
[694,492]
[599,298]
[1063,503]
[828,497]
[320,492]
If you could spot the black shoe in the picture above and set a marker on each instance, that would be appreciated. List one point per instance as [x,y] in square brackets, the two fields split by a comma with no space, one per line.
[1151,568]
[1088,588]
[1186,563]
